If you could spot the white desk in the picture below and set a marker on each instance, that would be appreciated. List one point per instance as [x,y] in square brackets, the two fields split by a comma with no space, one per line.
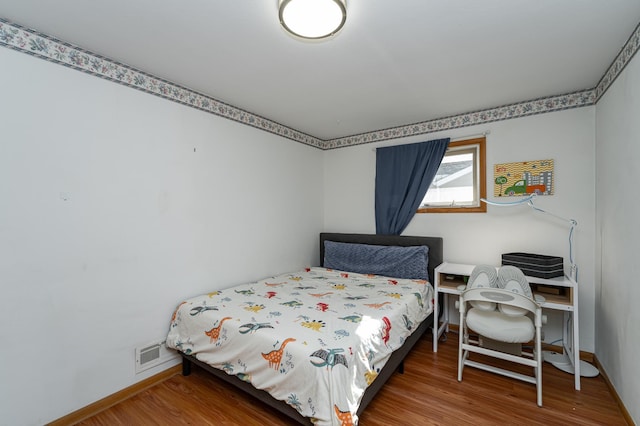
[560,294]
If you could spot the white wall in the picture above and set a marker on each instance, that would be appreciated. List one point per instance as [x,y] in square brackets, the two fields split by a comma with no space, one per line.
[567,137]
[109,218]
[618,233]
[147,222]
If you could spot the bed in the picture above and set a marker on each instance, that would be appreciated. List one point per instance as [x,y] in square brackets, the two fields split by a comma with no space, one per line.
[316,344]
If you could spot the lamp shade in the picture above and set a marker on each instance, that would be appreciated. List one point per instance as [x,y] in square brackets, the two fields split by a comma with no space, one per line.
[313,19]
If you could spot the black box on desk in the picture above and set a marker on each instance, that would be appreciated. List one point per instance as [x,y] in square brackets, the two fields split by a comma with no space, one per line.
[536,265]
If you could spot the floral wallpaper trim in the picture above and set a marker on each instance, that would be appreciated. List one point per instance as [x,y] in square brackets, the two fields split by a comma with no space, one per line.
[29,41]
[522,109]
[624,57]
[42,46]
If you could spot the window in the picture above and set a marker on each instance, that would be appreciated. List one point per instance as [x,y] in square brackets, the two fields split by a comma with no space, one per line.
[460,181]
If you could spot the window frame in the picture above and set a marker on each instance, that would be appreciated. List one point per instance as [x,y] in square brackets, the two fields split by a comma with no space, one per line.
[482,180]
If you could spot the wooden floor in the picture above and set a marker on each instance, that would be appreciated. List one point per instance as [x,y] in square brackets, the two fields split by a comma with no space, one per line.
[428,393]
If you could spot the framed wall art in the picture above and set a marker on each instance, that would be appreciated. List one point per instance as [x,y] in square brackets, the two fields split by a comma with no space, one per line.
[523,178]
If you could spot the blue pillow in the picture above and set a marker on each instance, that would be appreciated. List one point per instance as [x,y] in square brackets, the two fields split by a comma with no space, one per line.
[390,261]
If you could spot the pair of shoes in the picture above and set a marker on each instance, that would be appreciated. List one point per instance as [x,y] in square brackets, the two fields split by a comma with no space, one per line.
[508,278]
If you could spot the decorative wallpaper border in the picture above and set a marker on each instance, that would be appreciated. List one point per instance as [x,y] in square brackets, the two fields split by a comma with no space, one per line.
[46,47]
[624,57]
[31,42]
[521,109]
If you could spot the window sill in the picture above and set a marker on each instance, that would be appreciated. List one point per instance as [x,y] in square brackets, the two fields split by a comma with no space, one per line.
[480,209]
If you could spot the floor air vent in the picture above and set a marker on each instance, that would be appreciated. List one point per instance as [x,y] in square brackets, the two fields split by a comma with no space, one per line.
[151,355]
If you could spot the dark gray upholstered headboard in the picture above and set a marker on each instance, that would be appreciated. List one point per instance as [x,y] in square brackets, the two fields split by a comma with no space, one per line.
[434,244]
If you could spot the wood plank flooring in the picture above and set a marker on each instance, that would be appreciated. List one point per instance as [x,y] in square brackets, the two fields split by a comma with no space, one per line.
[428,393]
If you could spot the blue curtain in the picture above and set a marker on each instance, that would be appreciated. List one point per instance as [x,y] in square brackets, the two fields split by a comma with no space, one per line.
[403,176]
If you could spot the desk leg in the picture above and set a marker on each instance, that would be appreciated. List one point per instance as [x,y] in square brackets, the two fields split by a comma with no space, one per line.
[436,323]
[571,345]
[576,347]
[569,360]
[438,328]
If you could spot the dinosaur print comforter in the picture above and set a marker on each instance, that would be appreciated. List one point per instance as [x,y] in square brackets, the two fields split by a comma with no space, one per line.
[315,338]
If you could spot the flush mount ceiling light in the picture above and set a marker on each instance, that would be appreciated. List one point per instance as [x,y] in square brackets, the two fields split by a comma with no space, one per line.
[312,19]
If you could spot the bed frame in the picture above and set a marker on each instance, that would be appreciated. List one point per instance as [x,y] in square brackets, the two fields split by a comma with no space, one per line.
[394,363]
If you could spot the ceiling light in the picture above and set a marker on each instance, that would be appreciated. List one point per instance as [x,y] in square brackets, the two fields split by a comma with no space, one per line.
[313,19]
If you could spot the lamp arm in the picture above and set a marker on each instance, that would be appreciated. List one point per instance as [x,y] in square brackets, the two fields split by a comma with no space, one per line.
[508,203]
[573,222]
[529,201]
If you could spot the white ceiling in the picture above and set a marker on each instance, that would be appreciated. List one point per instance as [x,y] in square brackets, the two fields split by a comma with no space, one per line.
[394,63]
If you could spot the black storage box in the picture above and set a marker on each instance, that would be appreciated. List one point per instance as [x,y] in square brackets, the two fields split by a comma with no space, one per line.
[535,265]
